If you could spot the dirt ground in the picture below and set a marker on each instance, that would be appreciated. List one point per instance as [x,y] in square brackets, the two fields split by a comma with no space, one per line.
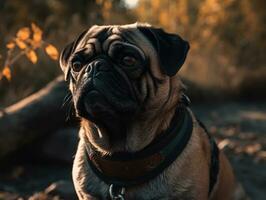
[239,129]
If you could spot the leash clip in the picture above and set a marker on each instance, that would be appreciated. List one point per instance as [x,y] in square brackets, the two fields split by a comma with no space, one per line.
[116,193]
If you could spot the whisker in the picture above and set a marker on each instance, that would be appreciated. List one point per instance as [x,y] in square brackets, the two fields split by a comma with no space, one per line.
[68,105]
[67,99]
[70,110]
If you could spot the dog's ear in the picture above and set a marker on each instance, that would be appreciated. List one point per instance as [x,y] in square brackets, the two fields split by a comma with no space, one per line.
[64,57]
[66,53]
[171,48]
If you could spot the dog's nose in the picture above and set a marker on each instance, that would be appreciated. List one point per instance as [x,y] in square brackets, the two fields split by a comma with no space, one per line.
[97,66]
[101,65]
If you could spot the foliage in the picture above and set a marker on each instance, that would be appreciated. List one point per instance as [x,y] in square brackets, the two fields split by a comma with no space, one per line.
[26,42]
[239,25]
[227,37]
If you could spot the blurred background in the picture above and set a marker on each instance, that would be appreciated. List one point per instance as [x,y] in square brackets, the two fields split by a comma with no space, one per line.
[225,74]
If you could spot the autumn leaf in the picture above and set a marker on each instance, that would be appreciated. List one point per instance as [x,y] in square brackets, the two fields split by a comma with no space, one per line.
[107,5]
[20,43]
[10,45]
[99,2]
[6,73]
[37,34]
[32,56]
[51,52]
[23,33]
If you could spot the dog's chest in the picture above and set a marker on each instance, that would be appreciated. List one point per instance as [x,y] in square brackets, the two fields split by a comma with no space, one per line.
[88,184]
[157,189]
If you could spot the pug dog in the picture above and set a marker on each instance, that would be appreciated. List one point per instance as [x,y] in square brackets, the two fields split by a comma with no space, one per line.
[138,138]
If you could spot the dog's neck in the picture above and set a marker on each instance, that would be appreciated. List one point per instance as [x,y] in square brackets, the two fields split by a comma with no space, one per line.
[134,139]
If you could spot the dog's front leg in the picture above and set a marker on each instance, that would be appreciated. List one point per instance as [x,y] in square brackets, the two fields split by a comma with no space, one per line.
[87,185]
[84,196]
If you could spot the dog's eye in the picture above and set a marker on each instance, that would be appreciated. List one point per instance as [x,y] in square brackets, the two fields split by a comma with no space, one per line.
[76,66]
[129,60]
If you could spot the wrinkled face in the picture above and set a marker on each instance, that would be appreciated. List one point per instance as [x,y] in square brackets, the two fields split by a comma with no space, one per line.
[107,68]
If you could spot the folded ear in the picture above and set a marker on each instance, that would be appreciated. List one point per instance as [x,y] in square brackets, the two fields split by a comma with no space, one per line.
[67,52]
[64,57]
[171,48]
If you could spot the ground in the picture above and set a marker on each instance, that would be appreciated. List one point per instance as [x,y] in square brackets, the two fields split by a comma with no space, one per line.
[239,129]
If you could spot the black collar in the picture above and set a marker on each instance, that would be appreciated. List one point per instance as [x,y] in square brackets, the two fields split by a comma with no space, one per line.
[129,169]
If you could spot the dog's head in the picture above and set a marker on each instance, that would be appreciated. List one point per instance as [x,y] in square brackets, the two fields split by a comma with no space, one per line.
[123,78]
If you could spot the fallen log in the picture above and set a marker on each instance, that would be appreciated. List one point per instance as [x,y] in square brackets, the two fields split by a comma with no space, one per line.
[38,115]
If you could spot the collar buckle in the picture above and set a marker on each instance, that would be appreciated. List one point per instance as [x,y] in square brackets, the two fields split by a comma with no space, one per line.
[116,192]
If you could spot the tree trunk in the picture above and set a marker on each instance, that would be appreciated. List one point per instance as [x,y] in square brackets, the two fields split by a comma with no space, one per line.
[38,115]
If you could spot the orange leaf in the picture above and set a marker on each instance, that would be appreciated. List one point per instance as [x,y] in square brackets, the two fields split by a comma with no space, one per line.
[6,73]
[107,5]
[10,45]
[20,43]
[99,2]
[51,51]
[37,33]
[32,56]
[23,33]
